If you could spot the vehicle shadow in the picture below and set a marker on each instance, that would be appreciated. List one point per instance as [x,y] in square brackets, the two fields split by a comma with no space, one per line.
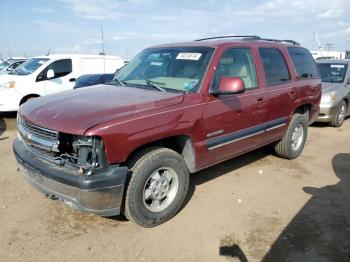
[233,252]
[7,121]
[2,125]
[320,125]
[217,171]
[321,229]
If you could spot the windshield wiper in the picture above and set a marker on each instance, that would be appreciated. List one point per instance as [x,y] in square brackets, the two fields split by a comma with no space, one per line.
[116,81]
[155,84]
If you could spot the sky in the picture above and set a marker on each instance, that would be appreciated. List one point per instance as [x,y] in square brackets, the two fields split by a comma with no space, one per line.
[34,27]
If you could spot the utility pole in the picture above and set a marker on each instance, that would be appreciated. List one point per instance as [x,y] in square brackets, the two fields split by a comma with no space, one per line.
[103,51]
[102,42]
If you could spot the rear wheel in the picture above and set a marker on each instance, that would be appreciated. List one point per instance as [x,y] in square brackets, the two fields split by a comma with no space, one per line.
[293,141]
[157,187]
[340,115]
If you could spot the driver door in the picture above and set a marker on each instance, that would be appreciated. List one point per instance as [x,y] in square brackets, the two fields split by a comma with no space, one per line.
[234,123]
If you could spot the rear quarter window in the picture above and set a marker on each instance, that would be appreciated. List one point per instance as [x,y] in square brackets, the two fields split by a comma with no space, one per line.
[303,63]
[275,67]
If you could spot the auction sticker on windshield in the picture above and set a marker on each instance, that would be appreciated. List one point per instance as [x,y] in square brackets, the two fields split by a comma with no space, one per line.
[189,56]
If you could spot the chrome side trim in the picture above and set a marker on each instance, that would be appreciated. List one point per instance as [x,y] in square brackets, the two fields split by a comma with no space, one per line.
[274,127]
[215,133]
[217,142]
[236,140]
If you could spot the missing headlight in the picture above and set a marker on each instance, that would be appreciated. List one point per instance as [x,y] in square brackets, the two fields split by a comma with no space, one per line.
[84,152]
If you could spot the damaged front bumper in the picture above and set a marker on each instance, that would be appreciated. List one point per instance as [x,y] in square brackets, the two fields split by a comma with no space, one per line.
[101,193]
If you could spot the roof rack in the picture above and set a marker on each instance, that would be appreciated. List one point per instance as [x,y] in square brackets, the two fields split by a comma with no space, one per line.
[281,41]
[250,37]
[255,37]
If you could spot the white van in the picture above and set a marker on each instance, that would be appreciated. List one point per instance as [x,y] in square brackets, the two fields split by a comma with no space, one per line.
[45,75]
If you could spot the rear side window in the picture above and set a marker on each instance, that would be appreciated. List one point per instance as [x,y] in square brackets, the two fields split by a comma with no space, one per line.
[275,67]
[303,62]
[61,67]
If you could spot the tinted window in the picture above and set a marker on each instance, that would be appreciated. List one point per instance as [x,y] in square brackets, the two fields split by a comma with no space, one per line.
[61,67]
[30,66]
[107,78]
[91,79]
[303,62]
[15,65]
[275,67]
[3,64]
[332,72]
[236,62]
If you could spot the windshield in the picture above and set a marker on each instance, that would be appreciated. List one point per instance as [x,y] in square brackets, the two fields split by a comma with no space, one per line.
[3,64]
[332,73]
[178,69]
[30,66]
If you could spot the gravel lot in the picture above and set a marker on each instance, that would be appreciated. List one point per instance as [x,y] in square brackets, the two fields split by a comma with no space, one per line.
[252,208]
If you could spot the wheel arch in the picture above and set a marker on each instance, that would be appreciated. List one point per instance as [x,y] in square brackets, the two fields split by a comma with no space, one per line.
[182,144]
[304,109]
[25,98]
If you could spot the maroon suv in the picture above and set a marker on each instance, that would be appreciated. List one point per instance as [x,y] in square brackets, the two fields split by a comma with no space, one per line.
[129,146]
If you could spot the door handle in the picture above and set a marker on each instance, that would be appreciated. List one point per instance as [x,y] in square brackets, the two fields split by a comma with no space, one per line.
[293,94]
[72,80]
[260,101]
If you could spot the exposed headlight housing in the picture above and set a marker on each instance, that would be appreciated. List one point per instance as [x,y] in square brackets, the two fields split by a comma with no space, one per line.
[85,152]
[328,98]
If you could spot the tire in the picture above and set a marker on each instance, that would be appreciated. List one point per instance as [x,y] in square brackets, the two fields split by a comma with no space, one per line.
[157,187]
[340,115]
[293,141]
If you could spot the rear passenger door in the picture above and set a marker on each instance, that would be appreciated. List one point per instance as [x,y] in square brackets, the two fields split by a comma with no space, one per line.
[308,79]
[280,91]
[233,123]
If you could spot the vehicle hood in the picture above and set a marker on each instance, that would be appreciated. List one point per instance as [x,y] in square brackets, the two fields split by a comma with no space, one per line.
[20,79]
[4,78]
[75,111]
[329,87]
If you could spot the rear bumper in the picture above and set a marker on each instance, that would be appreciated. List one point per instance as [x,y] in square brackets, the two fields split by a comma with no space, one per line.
[100,193]
[327,114]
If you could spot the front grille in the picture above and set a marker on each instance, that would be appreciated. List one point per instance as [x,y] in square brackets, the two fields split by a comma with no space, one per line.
[38,131]
[38,137]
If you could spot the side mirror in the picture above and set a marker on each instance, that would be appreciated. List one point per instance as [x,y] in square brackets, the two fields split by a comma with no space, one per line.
[230,85]
[50,74]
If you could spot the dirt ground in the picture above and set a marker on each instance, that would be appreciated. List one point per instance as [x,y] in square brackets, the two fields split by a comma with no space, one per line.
[252,208]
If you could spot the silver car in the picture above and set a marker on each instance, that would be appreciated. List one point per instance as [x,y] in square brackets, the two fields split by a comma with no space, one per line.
[334,105]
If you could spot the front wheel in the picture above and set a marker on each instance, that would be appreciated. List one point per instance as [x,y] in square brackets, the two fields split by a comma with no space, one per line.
[340,115]
[157,187]
[293,141]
